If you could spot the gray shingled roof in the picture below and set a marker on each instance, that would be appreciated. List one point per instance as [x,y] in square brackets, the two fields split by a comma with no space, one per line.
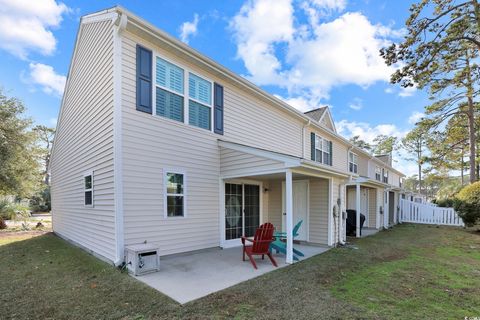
[316,114]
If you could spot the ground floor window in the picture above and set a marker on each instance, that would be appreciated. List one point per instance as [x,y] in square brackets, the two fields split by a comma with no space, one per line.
[175,194]
[88,189]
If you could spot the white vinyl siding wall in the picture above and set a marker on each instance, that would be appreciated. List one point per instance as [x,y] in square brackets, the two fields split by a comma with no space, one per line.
[84,142]
[150,146]
[362,165]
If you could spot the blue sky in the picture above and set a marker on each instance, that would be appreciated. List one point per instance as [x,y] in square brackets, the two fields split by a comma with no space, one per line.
[308,52]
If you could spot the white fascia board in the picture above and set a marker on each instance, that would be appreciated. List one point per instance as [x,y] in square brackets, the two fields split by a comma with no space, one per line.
[309,164]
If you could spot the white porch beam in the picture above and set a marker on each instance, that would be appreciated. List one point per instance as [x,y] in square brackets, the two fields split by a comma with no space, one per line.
[289,216]
[357,207]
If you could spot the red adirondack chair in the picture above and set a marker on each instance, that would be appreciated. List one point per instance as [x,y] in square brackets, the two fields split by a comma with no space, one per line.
[260,244]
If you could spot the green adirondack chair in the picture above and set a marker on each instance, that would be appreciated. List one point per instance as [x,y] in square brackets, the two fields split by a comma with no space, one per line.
[279,246]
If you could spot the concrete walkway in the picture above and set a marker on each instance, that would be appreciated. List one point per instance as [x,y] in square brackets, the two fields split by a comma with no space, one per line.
[191,276]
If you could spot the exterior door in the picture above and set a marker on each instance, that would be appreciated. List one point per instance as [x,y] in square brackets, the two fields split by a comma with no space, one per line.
[300,208]
[242,211]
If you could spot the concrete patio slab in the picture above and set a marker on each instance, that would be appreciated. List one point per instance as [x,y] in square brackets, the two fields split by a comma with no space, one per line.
[188,277]
[369,232]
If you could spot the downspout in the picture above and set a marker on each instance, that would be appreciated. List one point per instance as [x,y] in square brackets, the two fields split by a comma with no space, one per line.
[120,23]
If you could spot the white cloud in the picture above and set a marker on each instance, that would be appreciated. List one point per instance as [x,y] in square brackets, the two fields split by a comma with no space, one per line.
[407,92]
[44,76]
[53,121]
[258,27]
[25,26]
[356,104]
[189,28]
[310,58]
[389,90]
[415,117]
[366,131]
[330,4]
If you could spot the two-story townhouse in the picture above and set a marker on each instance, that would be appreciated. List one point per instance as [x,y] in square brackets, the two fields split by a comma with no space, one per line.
[157,143]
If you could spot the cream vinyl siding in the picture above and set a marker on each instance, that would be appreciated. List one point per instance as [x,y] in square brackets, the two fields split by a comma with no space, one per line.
[394,179]
[84,142]
[326,123]
[247,120]
[319,203]
[236,163]
[275,203]
[372,207]
[152,144]
[254,123]
[362,165]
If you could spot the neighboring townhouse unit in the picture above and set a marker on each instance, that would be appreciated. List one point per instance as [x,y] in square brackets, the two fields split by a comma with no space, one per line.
[157,143]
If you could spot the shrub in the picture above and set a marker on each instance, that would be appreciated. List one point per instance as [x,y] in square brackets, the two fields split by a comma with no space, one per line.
[445,203]
[40,202]
[467,203]
[7,212]
[11,211]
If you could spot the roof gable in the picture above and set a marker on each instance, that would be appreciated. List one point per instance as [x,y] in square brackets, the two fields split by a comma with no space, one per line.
[323,116]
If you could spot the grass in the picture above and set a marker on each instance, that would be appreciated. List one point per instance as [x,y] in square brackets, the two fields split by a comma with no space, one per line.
[409,272]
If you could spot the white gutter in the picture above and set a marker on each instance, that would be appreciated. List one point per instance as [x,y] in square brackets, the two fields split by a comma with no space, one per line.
[120,24]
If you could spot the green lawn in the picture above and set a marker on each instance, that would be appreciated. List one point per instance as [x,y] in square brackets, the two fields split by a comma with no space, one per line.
[410,272]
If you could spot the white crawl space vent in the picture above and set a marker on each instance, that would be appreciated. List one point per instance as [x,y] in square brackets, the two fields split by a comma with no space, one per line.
[142,258]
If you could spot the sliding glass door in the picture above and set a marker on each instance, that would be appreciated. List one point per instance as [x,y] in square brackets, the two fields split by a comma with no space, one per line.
[242,210]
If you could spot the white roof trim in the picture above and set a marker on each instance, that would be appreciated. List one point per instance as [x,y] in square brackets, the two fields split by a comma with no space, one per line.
[330,119]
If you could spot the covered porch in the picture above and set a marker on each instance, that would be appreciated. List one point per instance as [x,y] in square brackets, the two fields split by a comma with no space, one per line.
[366,197]
[259,186]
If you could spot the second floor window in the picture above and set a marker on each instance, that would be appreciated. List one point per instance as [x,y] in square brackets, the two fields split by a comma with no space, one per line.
[323,150]
[352,162]
[385,176]
[169,92]
[200,102]
[378,174]
[172,99]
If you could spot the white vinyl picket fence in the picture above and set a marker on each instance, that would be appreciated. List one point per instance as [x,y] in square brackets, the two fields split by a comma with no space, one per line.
[414,212]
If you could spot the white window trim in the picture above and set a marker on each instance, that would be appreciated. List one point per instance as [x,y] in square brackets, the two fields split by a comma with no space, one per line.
[185,94]
[201,102]
[166,194]
[379,171]
[354,162]
[317,137]
[86,174]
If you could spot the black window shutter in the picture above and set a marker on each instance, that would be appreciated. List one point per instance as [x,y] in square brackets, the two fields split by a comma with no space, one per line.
[330,146]
[312,145]
[144,79]
[218,108]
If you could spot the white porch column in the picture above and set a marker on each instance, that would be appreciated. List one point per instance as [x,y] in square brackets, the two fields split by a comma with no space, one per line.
[357,207]
[289,217]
